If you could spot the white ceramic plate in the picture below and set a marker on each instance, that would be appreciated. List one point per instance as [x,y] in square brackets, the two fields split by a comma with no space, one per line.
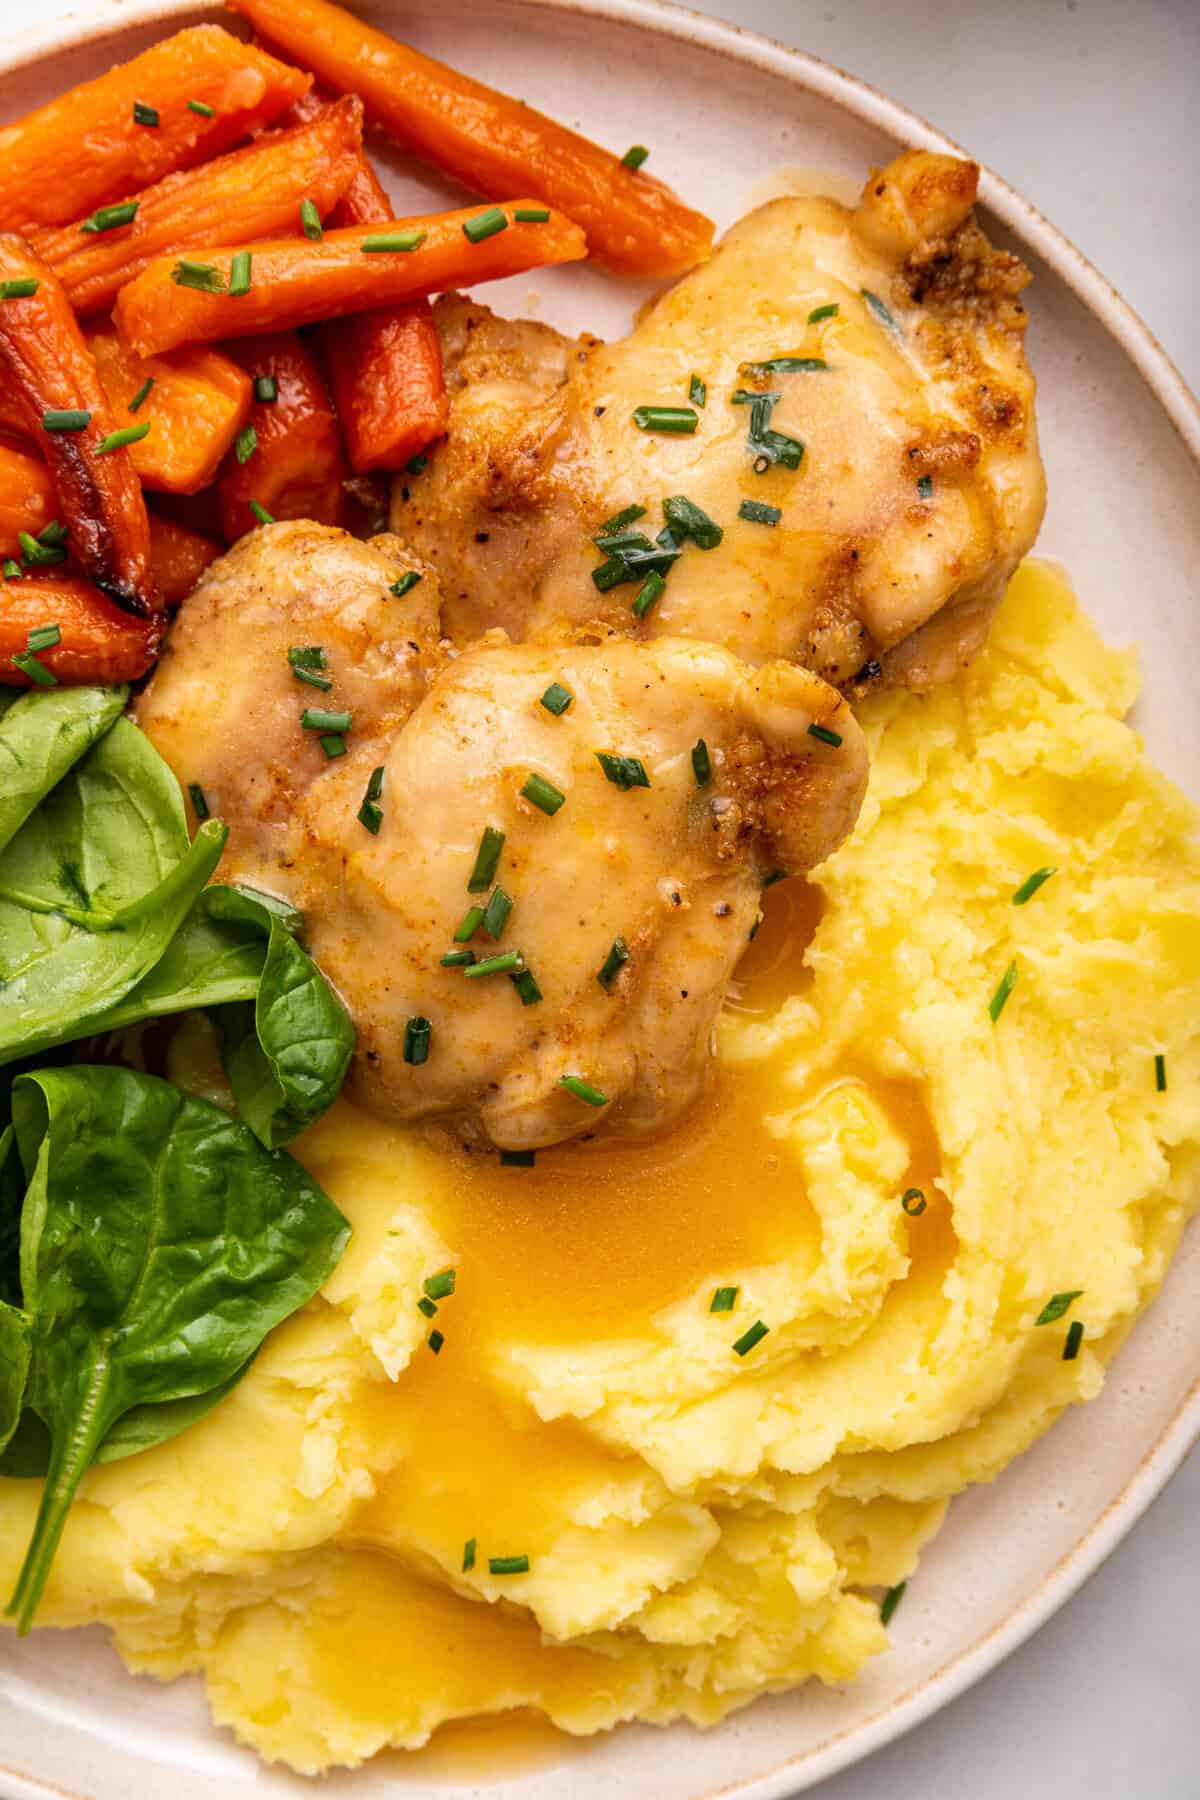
[1121,437]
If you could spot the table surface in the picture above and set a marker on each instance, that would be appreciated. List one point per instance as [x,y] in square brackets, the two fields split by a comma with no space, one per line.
[1091,109]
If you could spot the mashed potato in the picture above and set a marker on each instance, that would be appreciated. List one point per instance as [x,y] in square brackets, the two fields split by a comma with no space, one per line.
[702,1525]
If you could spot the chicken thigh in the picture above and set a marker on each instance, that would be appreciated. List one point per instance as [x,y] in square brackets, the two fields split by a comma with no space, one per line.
[852,414]
[535,867]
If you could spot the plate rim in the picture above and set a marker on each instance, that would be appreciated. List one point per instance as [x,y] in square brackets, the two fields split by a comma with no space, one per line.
[1134,338]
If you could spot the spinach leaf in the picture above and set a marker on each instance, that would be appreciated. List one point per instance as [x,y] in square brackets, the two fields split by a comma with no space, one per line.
[160,1243]
[14,1367]
[41,735]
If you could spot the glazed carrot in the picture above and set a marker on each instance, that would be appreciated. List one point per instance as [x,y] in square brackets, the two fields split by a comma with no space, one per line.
[297,465]
[88,147]
[98,641]
[300,283]
[178,557]
[197,402]
[98,495]
[248,194]
[26,497]
[493,145]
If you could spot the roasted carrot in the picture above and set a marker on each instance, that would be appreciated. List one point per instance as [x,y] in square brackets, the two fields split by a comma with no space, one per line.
[179,558]
[299,283]
[26,497]
[97,640]
[98,496]
[296,467]
[496,146]
[195,402]
[248,194]
[90,146]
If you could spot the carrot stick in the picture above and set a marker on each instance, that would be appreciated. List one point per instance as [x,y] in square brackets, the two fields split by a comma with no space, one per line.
[493,145]
[300,283]
[297,467]
[98,494]
[26,497]
[86,147]
[179,558]
[248,194]
[98,641]
[197,403]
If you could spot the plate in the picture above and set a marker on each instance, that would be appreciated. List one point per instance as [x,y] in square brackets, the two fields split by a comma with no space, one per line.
[1121,437]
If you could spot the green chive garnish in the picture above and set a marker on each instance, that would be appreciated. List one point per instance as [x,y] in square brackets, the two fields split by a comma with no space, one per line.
[557,698]
[468,1561]
[266,389]
[11,569]
[307,656]
[245,444]
[1057,1305]
[487,858]
[698,391]
[681,421]
[701,763]
[239,274]
[613,963]
[1032,883]
[20,289]
[648,594]
[204,276]
[416,465]
[52,535]
[42,637]
[417,1033]
[724,1299]
[543,794]
[469,924]
[755,1335]
[310,222]
[766,446]
[370,813]
[628,515]
[39,556]
[786,365]
[526,985]
[531,215]
[427,1307]
[142,393]
[1074,1339]
[453,959]
[495,913]
[623,771]
[890,1602]
[436,1340]
[143,114]
[406,583]
[70,418]
[485,224]
[1160,1073]
[635,156]
[440,1286]
[508,1565]
[517,1159]
[510,962]
[758,513]
[999,999]
[913,1202]
[881,311]
[825,736]
[315,718]
[31,667]
[687,520]
[583,1090]
[260,512]
[117,440]
[199,803]
[925,487]
[392,240]
[107,218]
[332,743]
[823,312]
[202,107]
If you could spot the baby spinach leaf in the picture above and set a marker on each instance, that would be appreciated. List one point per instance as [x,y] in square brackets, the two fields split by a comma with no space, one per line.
[14,1367]
[160,1243]
[41,735]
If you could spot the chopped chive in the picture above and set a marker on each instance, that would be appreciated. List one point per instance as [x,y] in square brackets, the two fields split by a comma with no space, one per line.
[487,858]
[751,397]
[629,515]
[42,637]
[315,718]
[583,1090]
[427,1307]
[143,114]
[266,389]
[766,446]
[786,365]
[1057,1305]
[648,594]
[724,1299]
[39,556]
[623,771]
[701,763]
[245,444]
[36,672]
[388,241]
[510,962]
[485,224]
[557,698]
[453,959]
[1160,1073]
[204,276]
[755,1335]
[635,156]
[508,1565]
[260,512]
[526,985]
[680,421]
[687,520]
[468,1561]
[332,743]
[517,1159]
[128,434]
[307,656]
[825,736]
[142,393]
[441,1285]
[417,1033]
[199,803]
[890,1602]
[19,289]
[310,222]
[1032,883]
[469,924]
[531,215]
[913,1202]
[11,569]
[613,963]
[70,418]
[496,912]
[925,487]
[417,465]
[999,999]
[698,391]
[1074,1339]
[405,584]
[52,535]
[543,794]
[107,218]
[202,107]
[823,312]
[882,312]
[436,1340]
[758,513]
[239,274]
[370,813]
[610,574]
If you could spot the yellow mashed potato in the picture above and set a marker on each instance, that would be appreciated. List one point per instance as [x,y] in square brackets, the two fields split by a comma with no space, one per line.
[701,1526]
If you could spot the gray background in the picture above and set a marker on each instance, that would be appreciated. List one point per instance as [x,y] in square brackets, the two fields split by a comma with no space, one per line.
[1091,108]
